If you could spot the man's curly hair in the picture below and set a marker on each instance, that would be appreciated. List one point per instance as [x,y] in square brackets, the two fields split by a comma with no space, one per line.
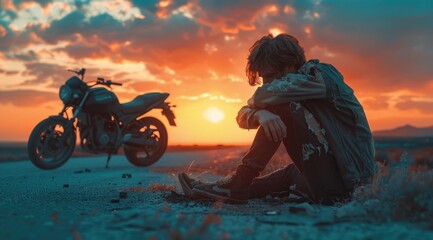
[271,57]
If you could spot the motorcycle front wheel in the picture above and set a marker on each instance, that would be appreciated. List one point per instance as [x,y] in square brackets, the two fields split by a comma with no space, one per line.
[51,143]
[153,134]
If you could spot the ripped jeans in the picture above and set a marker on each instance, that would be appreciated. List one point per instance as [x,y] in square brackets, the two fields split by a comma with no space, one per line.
[314,170]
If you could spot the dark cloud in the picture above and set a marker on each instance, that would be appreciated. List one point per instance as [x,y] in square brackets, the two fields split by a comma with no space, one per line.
[177,40]
[14,41]
[41,2]
[229,16]
[373,46]
[24,56]
[146,6]
[103,27]
[409,103]
[7,14]
[376,103]
[8,72]
[42,73]
[146,41]
[26,98]
[148,86]
[82,50]
[55,75]
[81,3]
[64,28]
[383,48]
[11,40]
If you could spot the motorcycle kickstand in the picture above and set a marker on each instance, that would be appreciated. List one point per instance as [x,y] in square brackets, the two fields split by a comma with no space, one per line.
[108,160]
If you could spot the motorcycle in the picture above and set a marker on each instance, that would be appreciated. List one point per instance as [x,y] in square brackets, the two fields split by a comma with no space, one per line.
[104,125]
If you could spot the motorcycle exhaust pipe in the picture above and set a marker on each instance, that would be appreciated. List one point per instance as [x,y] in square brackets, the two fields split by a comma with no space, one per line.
[130,139]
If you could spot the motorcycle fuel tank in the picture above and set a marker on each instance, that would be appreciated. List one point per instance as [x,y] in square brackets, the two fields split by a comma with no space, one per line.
[101,100]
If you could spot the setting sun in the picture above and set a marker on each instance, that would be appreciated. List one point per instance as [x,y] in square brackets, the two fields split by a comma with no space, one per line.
[213,114]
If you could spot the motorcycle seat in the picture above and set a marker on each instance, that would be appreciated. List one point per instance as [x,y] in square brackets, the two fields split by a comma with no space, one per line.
[144,103]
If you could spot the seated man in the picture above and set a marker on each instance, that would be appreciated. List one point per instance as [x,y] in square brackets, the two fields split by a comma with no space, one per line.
[308,107]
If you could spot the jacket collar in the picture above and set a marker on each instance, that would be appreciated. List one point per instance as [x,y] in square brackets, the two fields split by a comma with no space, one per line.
[306,68]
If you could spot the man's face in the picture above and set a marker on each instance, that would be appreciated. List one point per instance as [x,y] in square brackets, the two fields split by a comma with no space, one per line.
[267,79]
[267,75]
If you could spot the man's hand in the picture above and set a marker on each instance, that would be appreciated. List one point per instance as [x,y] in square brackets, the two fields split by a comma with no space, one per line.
[274,127]
[250,102]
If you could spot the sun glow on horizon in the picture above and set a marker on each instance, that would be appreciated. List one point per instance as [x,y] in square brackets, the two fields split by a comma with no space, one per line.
[213,115]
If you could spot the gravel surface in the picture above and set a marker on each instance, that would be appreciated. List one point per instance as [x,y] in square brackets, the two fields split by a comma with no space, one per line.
[83,200]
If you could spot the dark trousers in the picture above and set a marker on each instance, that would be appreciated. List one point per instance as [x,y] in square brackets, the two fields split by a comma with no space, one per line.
[314,171]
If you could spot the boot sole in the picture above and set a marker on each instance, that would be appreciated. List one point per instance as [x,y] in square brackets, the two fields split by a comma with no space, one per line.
[218,197]
[185,186]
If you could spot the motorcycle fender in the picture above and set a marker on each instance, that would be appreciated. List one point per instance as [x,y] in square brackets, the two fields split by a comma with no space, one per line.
[168,113]
[68,123]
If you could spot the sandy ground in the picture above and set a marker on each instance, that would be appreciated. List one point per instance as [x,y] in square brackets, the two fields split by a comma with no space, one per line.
[74,202]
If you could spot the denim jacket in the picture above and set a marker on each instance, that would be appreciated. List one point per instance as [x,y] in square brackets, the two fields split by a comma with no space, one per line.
[320,88]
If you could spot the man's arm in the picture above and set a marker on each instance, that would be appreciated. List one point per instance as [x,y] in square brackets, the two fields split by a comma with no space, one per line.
[272,124]
[246,118]
[292,87]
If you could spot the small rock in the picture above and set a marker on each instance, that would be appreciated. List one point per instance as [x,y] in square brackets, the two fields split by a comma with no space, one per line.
[350,210]
[272,212]
[48,223]
[123,195]
[296,210]
[115,200]
[191,204]
[79,171]
[308,209]
[324,216]
[372,205]
[126,175]
[65,185]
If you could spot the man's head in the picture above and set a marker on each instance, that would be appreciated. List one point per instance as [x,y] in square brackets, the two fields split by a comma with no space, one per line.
[273,57]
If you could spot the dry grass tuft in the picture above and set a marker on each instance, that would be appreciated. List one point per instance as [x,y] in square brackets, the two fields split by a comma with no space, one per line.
[403,189]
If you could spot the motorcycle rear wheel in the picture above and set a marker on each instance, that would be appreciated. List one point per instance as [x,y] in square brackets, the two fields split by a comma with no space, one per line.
[153,131]
[51,143]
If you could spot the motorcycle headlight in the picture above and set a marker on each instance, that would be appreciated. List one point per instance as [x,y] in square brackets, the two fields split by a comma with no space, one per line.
[65,94]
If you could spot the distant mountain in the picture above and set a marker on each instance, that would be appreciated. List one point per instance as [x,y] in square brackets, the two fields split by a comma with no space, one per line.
[405,131]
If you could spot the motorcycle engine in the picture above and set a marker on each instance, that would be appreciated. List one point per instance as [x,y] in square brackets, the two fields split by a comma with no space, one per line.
[104,138]
[98,132]
[104,130]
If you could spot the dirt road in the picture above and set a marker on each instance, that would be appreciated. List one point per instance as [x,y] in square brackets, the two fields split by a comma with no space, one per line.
[81,200]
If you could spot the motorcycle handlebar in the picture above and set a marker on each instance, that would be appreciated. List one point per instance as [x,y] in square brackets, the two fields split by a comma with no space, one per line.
[117,84]
[107,83]
[80,72]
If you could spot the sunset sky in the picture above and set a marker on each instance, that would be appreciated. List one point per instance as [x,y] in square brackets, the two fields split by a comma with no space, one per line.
[196,51]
